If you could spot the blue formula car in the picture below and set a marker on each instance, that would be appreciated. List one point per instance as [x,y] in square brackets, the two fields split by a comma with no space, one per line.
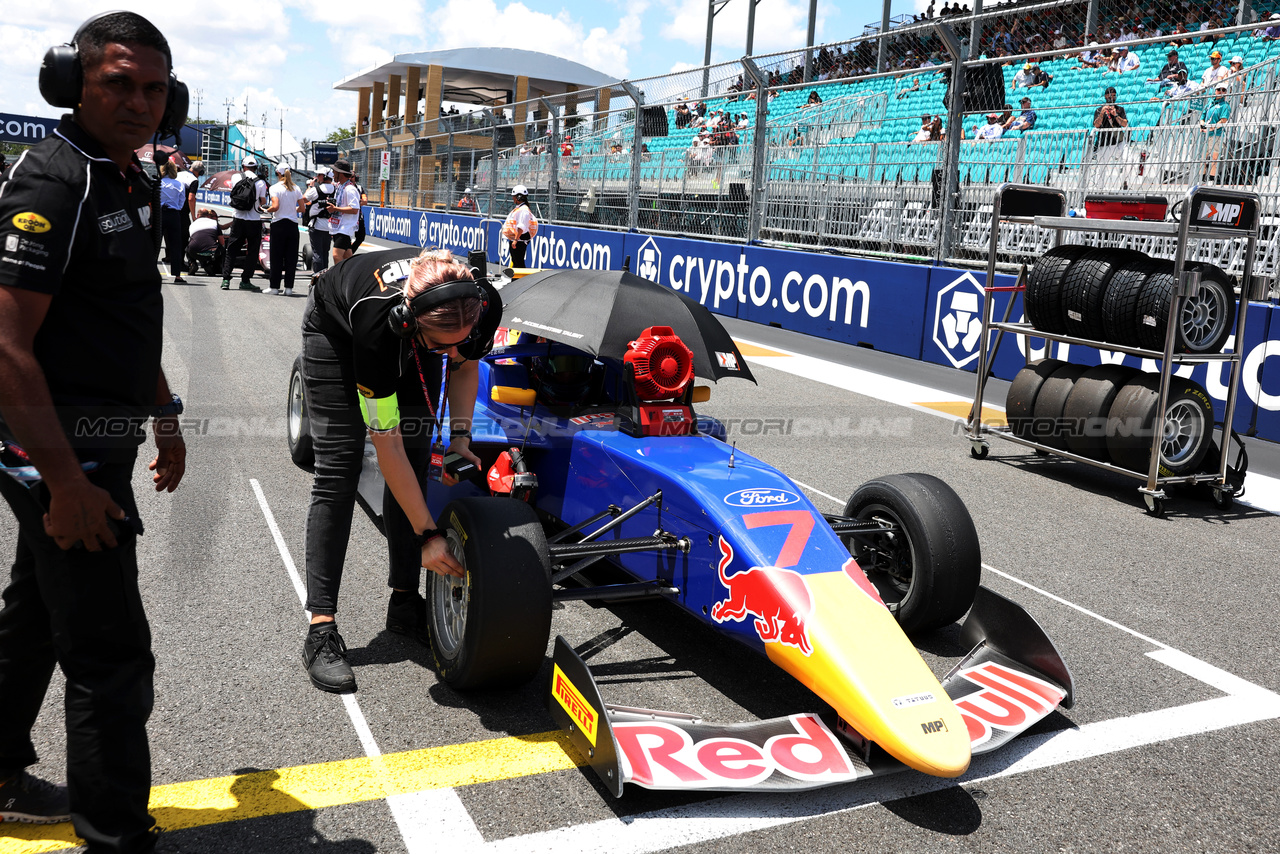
[594,455]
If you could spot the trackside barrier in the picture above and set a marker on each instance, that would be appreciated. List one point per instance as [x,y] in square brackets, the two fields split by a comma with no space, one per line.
[930,313]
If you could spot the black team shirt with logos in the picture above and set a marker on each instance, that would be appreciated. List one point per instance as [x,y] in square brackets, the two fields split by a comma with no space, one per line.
[72,226]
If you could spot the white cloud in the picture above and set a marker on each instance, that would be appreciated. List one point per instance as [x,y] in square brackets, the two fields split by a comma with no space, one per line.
[480,23]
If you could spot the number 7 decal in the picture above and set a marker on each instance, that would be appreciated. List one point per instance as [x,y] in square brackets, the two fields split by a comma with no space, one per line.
[801,523]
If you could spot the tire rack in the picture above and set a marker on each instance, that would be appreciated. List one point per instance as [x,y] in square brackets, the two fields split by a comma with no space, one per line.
[1025,205]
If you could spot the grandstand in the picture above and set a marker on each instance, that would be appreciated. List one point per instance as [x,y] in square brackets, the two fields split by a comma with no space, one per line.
[846,175]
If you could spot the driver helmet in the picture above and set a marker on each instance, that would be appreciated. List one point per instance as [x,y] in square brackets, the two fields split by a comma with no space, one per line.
[563,379]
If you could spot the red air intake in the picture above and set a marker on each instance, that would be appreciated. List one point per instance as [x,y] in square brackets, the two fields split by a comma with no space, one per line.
[663,364]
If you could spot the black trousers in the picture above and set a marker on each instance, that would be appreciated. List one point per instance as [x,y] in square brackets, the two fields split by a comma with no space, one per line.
[172,222]
[248,233]
[320,245]
[338,436]
[284,252]
[82,611]
[518,248]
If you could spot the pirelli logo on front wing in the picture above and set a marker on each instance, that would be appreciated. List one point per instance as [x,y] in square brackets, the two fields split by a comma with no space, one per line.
[572,701]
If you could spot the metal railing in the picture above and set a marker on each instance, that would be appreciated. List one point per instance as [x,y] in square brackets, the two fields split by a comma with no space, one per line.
[845,174]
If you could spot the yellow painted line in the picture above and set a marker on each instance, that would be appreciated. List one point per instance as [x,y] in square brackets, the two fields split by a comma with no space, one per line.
[756,350]
[961,408]
[199,803]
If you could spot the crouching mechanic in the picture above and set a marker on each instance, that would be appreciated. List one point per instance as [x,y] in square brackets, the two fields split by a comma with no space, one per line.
[388,337]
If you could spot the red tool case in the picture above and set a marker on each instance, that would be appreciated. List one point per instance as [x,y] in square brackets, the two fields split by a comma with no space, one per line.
[1148,208]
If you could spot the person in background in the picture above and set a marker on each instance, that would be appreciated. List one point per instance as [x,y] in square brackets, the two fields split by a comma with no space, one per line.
[1213,124]
[246,230]
[316,200]
[191,183]
[358,237]
[1215,73]
[991,130]
[1179,87]
[1024,77]
[1025,120]
[173,216]
[344,210]
[1169,71]
[1109,119]
[467,202]
[286,206]
[205,241]
[520,227]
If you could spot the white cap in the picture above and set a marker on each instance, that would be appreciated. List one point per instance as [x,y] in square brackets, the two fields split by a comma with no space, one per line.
[324,171]
[519,190]
[249,160]
[1238,59]
[467,190]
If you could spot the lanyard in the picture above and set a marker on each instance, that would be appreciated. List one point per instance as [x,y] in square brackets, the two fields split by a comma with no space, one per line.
[444,389]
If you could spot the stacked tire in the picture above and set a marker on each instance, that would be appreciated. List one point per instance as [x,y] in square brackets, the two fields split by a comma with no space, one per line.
[1123,297]
[1107,413]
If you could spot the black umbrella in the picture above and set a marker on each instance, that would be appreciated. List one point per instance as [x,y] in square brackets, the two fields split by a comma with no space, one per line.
[601,311]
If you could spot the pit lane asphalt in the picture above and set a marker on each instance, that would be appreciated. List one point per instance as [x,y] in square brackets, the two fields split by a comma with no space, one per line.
[232,695]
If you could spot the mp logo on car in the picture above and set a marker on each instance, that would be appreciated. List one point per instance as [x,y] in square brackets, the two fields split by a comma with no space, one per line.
[778,598]
[789,753]
[650,266]
[957,320]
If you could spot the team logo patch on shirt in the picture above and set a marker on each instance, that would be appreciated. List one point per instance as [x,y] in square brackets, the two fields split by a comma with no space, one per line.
[113,222]
[364,390]
[32,222]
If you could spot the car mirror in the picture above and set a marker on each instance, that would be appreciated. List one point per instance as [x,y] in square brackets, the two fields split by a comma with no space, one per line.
[512,395]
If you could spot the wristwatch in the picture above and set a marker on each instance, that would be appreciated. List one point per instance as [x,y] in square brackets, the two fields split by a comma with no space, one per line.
[170,409]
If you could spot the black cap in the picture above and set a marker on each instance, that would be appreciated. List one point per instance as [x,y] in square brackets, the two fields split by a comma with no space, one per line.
[343,166]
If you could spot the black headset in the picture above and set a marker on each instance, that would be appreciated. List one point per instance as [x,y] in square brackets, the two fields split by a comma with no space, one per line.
[62,81]
[403,316]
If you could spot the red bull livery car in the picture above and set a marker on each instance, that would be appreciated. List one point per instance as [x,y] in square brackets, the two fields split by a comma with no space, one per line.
[595,458]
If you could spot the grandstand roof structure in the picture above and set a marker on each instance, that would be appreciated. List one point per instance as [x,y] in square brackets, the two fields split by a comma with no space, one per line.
[487,75]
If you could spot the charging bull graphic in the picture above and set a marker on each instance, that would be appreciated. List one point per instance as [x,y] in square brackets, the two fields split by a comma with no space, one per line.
[778,598]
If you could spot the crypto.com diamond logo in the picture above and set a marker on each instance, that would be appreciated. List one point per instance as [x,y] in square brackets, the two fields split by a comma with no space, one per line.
[424,230]
[650,266]
[957,320]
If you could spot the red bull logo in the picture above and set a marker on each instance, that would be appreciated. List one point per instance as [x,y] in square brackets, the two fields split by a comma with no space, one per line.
[1009,701]
[778,598]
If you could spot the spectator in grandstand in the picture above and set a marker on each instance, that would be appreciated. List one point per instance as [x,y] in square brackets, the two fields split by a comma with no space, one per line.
[992,130]
[1090,57]
[1025,120]
[1109,119]
[743,122]
[1059,40]
[1169,71]
[1039,77]
[1124,61]
[1024,76]
[1184,36]
[1178,87]
[1272,31]
[1215,73]
[1213,123]
[923,135]
[815,100]
[906,91]
[683,116]
[1214,23]
[566,147]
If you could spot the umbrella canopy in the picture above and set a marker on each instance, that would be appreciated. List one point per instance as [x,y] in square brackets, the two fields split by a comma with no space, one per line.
[221,180]
[148,152]
[601,311]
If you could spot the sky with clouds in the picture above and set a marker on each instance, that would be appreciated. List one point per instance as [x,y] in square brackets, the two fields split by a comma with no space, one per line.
[282,57]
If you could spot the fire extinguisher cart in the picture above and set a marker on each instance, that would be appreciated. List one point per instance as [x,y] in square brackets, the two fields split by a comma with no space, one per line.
[1200,218]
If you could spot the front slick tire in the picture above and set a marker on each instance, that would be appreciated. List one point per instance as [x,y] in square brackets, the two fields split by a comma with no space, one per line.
[491,627]
[927,572]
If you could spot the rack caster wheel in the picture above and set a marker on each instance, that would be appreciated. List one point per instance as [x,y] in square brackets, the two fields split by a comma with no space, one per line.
[1223,499]
[1155,505]
[1041,453]
[979,450]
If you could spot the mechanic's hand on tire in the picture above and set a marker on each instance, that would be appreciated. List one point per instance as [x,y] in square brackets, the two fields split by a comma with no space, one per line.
[437,557]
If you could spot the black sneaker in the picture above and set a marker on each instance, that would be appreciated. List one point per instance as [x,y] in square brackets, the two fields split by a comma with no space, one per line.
[407,615]
[31,800]
[325,657]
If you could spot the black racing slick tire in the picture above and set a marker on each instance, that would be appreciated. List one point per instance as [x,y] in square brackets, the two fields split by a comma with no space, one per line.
[307,255]
[1206,317]
[297,423]
[1019,404]
[490,628]
[927,570]
[1120,302]
[1042,299]
[1088,406]
[1084,287]
[1047,424]
[1188,429]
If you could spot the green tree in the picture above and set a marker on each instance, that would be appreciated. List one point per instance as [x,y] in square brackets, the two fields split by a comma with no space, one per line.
[341,133]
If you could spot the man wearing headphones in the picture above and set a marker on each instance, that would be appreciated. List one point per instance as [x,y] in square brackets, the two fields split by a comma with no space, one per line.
[81,322]
[382,333]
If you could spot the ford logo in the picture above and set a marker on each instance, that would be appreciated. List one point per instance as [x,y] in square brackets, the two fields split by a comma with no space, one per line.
[761,496]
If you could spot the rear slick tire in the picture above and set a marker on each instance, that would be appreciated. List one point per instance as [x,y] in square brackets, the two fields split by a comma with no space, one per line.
[1019,404]
[928,571]
[490,628]
[297,423]
[1088,406]
[1188,430]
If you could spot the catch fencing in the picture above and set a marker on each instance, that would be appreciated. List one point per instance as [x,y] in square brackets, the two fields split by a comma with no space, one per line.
[859,147]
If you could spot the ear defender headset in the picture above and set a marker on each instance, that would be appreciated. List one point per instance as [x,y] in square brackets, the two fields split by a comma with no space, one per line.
[62,80]
[403,317]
